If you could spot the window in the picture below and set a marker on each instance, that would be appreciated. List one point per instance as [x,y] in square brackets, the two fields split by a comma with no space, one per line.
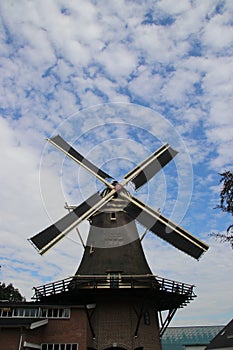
[65,313]
[55,313]
[146,318]
[31,312]
[50,313]
[114,279]
[43,312]
[6,312]
[35,312]
[113,216]
[19,312]
[59,346]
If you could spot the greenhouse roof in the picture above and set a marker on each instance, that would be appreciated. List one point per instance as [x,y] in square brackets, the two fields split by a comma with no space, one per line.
[175,338]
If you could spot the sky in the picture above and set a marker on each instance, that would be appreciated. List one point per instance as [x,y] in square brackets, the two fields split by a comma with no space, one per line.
[117,80]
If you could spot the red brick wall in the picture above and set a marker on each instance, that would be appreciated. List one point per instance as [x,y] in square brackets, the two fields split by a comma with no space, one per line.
[115,322]
[9,339]
[73,330]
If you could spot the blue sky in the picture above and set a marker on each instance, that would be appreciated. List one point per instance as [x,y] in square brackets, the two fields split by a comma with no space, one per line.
[117,80]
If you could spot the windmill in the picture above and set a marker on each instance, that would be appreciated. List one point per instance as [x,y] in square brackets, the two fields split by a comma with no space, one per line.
[113,266]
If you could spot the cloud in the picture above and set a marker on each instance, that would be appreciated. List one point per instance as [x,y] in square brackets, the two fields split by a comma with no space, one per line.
[169,263]
[117,82]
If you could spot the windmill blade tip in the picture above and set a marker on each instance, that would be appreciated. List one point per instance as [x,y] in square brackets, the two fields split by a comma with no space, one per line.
[34,246]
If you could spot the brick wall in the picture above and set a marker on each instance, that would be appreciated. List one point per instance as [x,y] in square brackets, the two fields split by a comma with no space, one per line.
[115,322]
[9,338]
[73,330]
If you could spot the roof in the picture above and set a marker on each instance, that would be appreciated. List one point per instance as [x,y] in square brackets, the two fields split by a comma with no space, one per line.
[113,245]
[175,338]
[224,339]
[35,304]
[22,322]
[15,322]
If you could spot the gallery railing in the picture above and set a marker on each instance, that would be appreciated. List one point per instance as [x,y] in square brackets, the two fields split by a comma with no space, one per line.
[108,281]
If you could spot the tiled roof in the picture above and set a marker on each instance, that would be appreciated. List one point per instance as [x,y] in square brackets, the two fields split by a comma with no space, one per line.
[175,338]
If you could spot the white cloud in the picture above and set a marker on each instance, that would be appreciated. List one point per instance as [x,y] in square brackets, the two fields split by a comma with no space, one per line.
[58,58]
[118,60]
[151,85]
[214,266]
[218,35]
[180,85]
[168,6]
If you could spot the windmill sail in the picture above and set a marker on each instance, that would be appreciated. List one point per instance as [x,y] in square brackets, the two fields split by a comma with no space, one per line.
[154,221]
[165,228]
[61,144]
[143,172]
[54,233]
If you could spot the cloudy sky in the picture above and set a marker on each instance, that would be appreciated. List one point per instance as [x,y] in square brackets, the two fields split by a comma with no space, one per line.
[117,80]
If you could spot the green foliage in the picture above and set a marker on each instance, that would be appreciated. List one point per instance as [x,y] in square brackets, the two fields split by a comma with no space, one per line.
[226,194]
[8,292]
[226,205]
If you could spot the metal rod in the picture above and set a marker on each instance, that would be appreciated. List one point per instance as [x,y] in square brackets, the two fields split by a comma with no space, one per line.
[69,208]
[89,322]
[143,235]
[167,321]
[139,319]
